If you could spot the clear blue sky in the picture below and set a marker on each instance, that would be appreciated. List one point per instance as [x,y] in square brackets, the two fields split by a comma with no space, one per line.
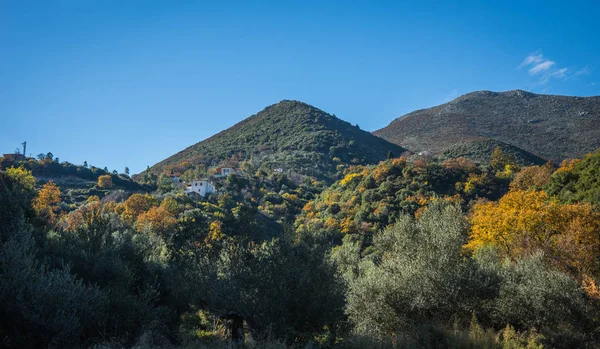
[129,83]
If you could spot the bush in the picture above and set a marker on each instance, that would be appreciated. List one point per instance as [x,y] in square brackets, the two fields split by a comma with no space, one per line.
[105,182]
[281,290]
[41,307]
[420,277]
[533,295]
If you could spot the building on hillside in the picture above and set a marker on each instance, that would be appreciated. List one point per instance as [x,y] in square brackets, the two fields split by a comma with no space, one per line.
[202,187]
[13,157]
[225,171]
[278,170]
[175,179]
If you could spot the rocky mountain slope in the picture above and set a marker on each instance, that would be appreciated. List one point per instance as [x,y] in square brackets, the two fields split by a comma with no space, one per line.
[551,127]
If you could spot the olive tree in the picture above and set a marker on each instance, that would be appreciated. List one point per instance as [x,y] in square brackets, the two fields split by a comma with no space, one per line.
[418,277]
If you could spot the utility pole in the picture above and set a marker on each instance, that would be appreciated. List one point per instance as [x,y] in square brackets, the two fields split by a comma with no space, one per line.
[24,149]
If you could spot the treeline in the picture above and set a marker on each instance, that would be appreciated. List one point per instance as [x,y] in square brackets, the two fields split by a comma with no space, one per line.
[49,166]
[408,253]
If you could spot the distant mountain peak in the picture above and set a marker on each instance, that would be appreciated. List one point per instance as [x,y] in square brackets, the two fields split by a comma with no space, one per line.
[291,135]
[491,94]
[553,127]
[290,103]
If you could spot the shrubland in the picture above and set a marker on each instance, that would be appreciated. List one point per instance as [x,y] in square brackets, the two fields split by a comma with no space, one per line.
[411,253]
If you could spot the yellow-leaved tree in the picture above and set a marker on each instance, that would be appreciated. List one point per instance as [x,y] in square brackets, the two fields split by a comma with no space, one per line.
[158,218]
[523,222]
[84,215]
[137,204]
[45,203]
[215,231]
[105,182]
[532,177]
[22,176]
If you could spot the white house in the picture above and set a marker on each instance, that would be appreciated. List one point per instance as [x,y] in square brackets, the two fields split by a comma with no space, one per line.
[201,187]
[225,171]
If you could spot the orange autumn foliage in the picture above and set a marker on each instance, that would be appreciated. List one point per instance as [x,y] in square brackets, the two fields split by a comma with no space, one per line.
[523,222]
[399,162]
[568,165]
[105,181]
[137,204]
[84,216]
[590,287]
[46,200]
[532,177]
[158,218]
[460,163]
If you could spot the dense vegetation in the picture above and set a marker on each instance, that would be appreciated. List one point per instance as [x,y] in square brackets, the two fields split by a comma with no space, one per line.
[78,182]
[370,198]
[480,151]
[290,135]
[411,252]
[552,127]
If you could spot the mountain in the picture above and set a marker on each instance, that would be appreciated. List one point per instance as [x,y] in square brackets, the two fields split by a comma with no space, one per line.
[291,135]
[551,127]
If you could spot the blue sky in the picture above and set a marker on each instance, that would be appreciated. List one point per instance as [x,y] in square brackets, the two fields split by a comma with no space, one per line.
[129,83]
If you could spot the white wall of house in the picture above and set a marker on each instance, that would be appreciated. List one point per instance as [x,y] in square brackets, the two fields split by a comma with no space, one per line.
[225,171]
[201,187]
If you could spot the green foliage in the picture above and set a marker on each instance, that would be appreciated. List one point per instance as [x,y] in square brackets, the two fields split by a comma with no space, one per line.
[77,183]
[481,151]
[291,135]
[533,295]
[418,282]
[419,276]
[16,193]
[165,183]
[377,260]
[38,306]
[278,288]
[368,199]
[41,307]
[500,160]
[125,266]
[580,183]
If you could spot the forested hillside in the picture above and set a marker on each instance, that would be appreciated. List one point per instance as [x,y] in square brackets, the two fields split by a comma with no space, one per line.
[480,151]
[552,127]
[290,135]
[411,252]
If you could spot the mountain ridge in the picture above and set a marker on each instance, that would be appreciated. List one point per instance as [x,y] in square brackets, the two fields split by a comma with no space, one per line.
[554,127]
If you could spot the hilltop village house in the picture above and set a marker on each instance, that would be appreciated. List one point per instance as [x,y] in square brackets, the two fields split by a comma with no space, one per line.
[204,186]
[226,171]
[13,157]
[201,187]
